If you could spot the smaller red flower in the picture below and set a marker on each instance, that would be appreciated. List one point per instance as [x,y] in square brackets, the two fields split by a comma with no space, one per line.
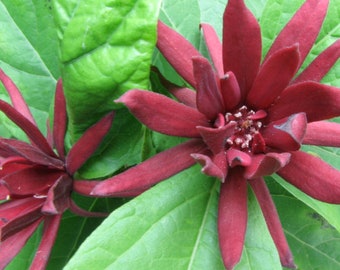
[36,182]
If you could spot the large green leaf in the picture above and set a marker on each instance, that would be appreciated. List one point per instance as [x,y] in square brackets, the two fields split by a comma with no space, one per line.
[173,226]
[29,55]
[330,212]
[105,50]
[313,241]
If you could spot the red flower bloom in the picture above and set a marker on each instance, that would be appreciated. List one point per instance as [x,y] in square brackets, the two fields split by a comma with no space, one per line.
[247,119]
[35,182]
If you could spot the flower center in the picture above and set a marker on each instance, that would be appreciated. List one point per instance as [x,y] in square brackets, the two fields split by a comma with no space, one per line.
[246,135]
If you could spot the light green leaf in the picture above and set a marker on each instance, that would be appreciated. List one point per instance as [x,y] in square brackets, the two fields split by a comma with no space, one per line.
[161,229]
[29,55]
[313,241]
[330,212]
[173,226]
[105,49]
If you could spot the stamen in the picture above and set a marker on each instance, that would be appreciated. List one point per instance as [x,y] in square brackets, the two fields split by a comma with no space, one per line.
[247,126]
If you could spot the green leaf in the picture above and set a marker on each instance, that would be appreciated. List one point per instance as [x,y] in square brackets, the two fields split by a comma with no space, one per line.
[313,241]
[173,226]
[105,49]
[330,212]
[161,229]
[29,55]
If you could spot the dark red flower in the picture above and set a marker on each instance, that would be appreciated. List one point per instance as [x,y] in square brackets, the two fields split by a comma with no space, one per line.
[246,120]
[35,182]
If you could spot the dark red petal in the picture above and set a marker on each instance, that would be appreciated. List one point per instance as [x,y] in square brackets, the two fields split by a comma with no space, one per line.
[303,28]
[17,214]
[267,164]
[230,90]
[88,143]
[214,47]
[313,176]
[29,152]
[51,226]
[30,181]
[17,100]
[58,196]
[75,209]
[60,120]
[177,50]
[151,171]
[241,44]
[208,99]
[30,129]
[85,187]
[274,76]
[273,221]
[163,114]
[323,133]
[4,192]
[318,101]
[10,247]
[215,137]
[185,95]
[321,64]
[238,158]
[215,168]
[286,134]
[232,218]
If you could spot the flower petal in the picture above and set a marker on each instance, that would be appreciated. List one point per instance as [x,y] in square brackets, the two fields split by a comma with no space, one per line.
[177,50]
[60,120]
[215,137]
[151,171]
[30,181]
[210,168]
[26,125]
[185,95]
[241,44]
[84,213]
[51,226]
[238,158]
[232,218]
[29,152]
[230,90]
[303,28]
[58,196]
[88,143]
[323,133]
[273,221]
[318,101]
[85,187]
[286,134]
[267,164]
[321,64]
[274,76]
[313,176]
[17,100]
[208,99]
[17,214]
[214,47]
[163,114]
[10,247]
